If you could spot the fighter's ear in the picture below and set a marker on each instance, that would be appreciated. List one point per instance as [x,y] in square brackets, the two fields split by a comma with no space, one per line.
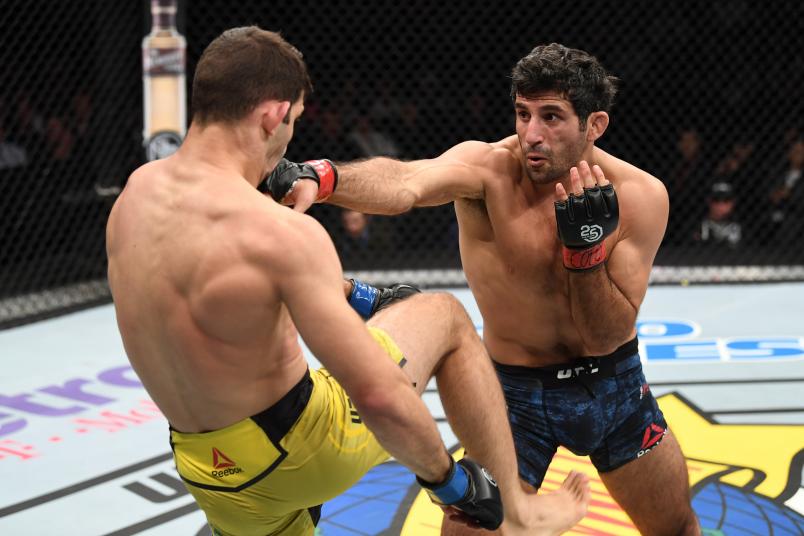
[596,125]
[273,113]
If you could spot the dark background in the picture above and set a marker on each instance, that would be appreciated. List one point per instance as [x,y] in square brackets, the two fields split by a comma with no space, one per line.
[408,79]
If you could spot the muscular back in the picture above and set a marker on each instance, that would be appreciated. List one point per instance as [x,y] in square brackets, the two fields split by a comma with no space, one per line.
[202,324]
[512,257]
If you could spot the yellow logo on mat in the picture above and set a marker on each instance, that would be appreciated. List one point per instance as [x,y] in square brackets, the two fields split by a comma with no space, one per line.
[757,458]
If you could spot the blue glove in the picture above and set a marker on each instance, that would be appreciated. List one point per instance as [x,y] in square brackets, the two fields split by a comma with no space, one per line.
[471,489]
[367,300]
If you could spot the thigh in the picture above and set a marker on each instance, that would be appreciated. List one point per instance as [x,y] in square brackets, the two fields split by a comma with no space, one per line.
[424,327]
[634,422]
[534,440]
[654,490]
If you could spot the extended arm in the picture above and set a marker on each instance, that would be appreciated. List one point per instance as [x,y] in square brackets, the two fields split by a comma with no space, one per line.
[387,186]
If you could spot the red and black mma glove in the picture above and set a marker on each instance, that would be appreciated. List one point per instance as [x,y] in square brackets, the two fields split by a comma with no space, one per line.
[584,221]
[283,178]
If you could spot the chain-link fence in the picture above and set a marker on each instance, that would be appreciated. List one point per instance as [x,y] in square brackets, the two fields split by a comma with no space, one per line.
[711,102]
[69,112]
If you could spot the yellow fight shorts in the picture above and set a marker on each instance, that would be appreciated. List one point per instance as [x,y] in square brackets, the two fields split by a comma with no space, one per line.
[270,473]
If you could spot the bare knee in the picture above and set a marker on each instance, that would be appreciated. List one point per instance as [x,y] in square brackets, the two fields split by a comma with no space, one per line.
[459,323]
[687,524]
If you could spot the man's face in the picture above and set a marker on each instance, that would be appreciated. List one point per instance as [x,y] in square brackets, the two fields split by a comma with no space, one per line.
[689,143]
[353,222]
[283,134]
[550,136]
[721,209]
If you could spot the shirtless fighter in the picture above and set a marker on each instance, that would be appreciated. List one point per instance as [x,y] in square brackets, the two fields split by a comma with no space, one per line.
[211,281]
[558,278]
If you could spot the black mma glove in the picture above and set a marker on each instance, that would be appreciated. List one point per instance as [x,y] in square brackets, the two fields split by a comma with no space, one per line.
[282,179]
[367,300]
[583,222]
[471,489]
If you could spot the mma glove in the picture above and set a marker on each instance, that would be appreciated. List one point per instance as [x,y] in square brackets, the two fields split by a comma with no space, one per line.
[280,182]
[583,222]
[367,300]
[470,489]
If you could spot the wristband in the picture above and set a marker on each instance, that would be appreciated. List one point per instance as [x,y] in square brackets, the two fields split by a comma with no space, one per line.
[327,176]
[584,259]
[362,298]
[453,489]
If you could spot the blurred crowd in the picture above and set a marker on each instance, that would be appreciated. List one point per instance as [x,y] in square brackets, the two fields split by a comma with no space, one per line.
[722,195]
[738,194]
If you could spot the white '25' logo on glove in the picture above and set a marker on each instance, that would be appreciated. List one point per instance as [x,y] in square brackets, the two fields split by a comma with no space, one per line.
[591,233]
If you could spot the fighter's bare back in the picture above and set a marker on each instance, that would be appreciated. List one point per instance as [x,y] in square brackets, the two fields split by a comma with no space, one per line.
[221,327]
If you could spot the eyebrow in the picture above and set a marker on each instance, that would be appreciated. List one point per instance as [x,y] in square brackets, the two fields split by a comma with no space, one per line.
[551,108]
[544,108]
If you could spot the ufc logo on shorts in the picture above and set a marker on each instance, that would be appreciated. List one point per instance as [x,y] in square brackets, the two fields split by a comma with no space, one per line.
[565,374]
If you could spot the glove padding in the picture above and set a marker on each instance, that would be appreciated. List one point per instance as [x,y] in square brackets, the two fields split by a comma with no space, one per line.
[283,178]
[367,300]
[470,489]
[583,222]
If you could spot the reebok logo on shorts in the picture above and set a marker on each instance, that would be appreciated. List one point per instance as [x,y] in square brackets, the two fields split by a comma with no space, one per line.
[222,461]
[644,390]
[653,434]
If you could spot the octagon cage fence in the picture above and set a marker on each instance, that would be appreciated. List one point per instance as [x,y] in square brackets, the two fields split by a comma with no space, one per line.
[710,102]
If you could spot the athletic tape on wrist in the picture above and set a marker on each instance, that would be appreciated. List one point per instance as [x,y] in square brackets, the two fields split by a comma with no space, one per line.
[362,298]
[327,176]
[452,490]
[584,259]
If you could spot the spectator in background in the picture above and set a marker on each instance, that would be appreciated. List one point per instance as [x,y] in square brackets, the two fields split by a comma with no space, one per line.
[359,242]
[686,182]
[787,197]
[738,168]
[370,140]
[28,124]
[719,227]
[331,133]
[12,154]
[59,139]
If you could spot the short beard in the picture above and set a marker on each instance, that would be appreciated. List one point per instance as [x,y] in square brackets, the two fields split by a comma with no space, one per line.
[548,176]
[557,169]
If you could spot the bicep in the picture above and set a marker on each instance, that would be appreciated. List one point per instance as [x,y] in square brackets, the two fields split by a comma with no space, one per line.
[458,173]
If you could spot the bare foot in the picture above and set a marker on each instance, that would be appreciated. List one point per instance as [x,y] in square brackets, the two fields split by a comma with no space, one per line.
[548,514]
[557,512]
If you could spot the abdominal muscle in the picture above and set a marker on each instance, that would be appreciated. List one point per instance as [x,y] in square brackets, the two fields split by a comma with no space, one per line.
[527,327]
[522,291]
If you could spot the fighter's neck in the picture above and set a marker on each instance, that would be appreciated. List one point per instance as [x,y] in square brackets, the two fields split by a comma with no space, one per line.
[223,148]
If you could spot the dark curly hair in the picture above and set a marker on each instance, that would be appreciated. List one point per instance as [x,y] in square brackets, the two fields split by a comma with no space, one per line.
[572,73]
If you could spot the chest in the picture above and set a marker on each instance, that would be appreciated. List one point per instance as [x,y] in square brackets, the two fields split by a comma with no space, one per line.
[522,234]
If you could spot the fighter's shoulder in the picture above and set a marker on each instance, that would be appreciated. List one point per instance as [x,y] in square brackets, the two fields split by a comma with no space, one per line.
[631,180]
[493,158]
[282,237]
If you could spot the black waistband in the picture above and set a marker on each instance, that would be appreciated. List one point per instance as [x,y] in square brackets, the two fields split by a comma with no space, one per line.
[620,360]
[277,420]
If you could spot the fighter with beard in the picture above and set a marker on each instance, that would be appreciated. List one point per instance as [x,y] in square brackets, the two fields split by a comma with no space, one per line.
[558,264]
